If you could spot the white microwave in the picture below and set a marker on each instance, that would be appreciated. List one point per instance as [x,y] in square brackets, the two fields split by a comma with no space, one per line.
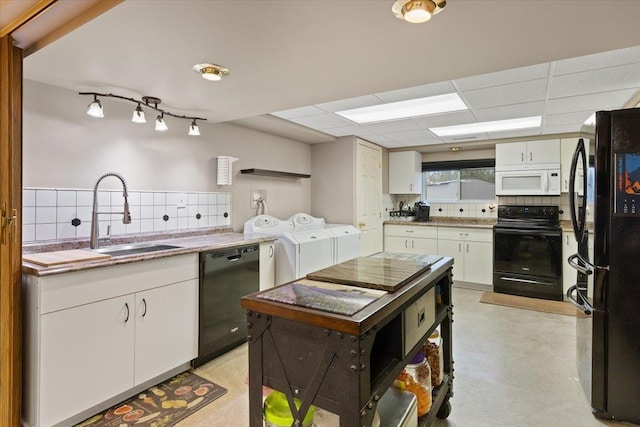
[528,182]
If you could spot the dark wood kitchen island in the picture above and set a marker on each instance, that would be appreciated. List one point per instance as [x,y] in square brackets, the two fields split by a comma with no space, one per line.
[344,363]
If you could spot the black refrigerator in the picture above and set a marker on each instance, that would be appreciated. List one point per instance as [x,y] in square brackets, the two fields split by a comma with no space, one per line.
[608,340]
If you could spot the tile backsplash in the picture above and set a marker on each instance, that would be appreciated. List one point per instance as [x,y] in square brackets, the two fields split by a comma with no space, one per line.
[56,213]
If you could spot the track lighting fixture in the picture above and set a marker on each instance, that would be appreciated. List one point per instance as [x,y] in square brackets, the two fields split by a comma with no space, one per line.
[194,129]
[95,110]
[138,115]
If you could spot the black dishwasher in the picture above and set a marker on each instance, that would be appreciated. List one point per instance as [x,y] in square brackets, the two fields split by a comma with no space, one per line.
[225,276]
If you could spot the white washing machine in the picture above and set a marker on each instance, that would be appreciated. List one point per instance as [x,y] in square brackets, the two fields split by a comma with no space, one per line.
[297,253]
[346,237]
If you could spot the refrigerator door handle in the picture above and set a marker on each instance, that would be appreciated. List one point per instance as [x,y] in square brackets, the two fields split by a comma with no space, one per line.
[583,305]
[583,266]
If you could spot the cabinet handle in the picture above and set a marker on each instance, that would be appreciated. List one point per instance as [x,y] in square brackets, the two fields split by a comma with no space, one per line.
[408,231]
[410,187]
[567,238]
[126,305]
[270,251]
[144,301]
[406,242]
[530,156]
[412,244]
[467,248]
[522,157]
[459,247]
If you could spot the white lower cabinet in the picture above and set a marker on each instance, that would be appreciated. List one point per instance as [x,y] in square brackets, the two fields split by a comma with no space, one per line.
[411,239]
[86,356]
[569,274]
[472,250]
[93,334]
[267,265]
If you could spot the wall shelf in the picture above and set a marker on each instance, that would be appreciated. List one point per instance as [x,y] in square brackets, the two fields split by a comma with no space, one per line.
[279,174]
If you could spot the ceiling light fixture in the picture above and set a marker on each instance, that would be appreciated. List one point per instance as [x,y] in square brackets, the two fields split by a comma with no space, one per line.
[194,129]
[481,127]
[95,110]
[138,115]
[405,109]
[211,71]
[417,11]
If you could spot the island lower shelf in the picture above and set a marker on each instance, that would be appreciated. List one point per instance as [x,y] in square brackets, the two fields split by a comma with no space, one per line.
[344,364]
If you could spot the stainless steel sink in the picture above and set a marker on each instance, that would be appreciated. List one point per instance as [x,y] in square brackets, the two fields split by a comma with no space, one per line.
[132,249]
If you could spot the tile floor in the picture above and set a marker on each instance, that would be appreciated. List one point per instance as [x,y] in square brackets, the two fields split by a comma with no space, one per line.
[513,368]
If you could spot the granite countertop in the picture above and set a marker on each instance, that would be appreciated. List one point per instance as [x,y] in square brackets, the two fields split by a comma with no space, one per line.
[448,222]
[189,243]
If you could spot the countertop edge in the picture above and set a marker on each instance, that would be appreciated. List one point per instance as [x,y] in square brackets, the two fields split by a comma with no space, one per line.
[188,245]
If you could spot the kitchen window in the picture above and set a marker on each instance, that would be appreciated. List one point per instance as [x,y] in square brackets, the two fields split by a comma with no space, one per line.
[459,181]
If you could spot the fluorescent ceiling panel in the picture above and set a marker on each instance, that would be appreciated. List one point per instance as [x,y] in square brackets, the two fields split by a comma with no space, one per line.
[496,126]
[405,109]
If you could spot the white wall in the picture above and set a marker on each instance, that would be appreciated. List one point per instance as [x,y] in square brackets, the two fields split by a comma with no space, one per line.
[66,148]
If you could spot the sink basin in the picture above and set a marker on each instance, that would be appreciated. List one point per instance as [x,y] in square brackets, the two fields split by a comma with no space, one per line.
[132,249]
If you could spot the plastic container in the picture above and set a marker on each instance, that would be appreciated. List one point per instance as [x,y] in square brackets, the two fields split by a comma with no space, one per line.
[277,412]
[432,350]
[420,373]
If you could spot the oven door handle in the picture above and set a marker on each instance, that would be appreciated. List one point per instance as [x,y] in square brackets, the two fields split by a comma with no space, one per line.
[582,305]
[528,232]
[582,265]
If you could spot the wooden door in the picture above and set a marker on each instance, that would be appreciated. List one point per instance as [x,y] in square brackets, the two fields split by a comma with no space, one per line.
[10,231]
[369,196]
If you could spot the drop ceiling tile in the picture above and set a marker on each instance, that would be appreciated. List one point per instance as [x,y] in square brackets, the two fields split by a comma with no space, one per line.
[514,93]
[594,81]
[527,109]
[515,133]
[347,104]
[446,119]
[417,92]
[595,102]
[298,112]
[575,119]
[322,121]
[408,135]
[500,78]
[349,130]
[600,60]
[562,129]
[427,140]
[392,126]
[379,139]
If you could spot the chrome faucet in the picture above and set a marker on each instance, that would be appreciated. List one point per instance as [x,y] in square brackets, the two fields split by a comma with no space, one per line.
[126,216]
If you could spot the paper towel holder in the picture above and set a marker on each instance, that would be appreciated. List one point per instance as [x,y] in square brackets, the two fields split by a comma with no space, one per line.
[225,170]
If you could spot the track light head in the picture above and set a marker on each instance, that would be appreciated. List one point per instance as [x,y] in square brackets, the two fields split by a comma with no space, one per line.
[138,115]
[194,129]
[95,108]
[161,125]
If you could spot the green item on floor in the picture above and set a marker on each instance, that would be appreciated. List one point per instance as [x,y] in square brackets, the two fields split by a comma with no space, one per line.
[278,414]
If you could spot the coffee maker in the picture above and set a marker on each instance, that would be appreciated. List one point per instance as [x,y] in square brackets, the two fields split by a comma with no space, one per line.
[421,210]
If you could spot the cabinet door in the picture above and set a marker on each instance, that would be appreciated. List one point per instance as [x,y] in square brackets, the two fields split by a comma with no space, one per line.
[166,328]
[478,262]
[405,172]
[86,357]
[567,148]
[453,248]
[396,244]
[569,274]
[267,265]
[512,153]
[424,246]
[543,151]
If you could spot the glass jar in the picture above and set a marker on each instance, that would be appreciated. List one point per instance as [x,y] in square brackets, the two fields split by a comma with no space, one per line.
[420,374]
[432,349]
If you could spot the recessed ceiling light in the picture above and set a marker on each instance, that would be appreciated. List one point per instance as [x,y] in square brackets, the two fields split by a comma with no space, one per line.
[405,109]
[211,71]
[481,127]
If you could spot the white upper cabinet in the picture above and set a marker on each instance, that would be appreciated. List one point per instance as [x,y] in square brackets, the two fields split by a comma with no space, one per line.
[528,154]
[405,172]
